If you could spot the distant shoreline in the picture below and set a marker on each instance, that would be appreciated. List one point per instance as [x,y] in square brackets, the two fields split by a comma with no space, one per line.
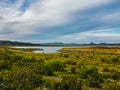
[16,43]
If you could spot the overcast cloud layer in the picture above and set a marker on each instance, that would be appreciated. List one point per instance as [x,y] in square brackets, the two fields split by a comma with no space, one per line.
[79,21]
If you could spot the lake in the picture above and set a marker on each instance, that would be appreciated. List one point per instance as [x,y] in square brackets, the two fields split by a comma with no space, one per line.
[52,49]
[49,49]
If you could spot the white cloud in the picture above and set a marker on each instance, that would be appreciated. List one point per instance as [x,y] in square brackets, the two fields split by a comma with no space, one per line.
[111,17]
[101,35]
[41,14]
[56,12]
[9,10]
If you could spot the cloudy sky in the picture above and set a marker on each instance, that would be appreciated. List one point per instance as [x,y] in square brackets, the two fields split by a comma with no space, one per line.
[77,21]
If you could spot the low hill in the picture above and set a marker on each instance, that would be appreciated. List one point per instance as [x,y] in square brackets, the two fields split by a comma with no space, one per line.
[15,43]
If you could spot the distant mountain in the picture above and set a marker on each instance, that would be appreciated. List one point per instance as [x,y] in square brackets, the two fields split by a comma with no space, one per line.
[15,43]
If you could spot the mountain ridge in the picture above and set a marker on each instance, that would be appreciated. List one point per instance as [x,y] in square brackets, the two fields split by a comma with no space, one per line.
[17,43]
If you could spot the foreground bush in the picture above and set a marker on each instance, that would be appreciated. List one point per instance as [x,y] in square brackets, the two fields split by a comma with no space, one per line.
[54,65]
[91,75]
[70,82]
[69,70]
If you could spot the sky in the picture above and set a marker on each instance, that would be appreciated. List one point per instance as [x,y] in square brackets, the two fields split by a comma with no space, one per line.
[69,21]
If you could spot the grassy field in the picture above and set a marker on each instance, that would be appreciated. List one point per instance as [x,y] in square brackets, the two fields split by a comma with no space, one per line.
[96,68]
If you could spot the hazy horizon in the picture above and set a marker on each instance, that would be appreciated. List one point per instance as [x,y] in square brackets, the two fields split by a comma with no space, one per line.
[68,21]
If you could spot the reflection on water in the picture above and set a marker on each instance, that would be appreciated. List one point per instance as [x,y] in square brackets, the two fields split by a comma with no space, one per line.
[51,49]
[48,49]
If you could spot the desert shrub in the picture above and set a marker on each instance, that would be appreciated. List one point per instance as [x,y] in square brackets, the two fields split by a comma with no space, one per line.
[114,59]
[54,65]
[111,86]
[48,71]
[105,69]
[91,75]
[66,55]
[73,69]
[69,61]
[4,64]
[115,75]
[70,82]
[20,79]
[16,57]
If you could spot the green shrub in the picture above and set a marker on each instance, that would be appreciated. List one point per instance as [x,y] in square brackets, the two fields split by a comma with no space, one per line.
[54,65]
[111,86]
[20,79]
[91,75]
[66,55]
[70,82]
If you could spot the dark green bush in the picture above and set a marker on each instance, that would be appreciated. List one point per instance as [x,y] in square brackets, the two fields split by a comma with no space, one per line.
[20,79]
[66,55]
[70,82]
[111,86]
[54,65]
[91,75]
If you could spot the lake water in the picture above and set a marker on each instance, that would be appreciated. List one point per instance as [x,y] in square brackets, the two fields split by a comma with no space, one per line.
[49,49]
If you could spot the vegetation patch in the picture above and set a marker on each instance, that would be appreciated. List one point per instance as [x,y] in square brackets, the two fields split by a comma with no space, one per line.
[72,69]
